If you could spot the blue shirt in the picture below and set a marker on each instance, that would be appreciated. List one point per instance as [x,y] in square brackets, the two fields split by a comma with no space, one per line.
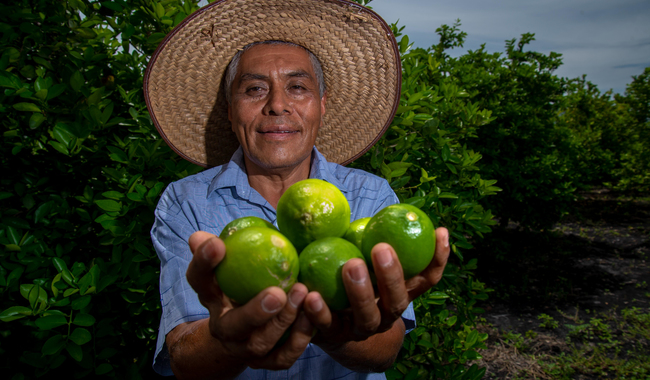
[211,199]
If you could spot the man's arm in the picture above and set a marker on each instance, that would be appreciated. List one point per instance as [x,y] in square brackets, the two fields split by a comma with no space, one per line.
[232,339]
[365,337]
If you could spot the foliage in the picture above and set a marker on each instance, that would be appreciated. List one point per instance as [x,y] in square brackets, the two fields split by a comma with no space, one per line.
[82,170]
[425,158]
[85,167]
[633,174]
[597,350]
[593,122]
[547,322]
[522,147]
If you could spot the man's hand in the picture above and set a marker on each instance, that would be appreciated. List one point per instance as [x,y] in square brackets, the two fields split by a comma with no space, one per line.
[370,317]
[236,337]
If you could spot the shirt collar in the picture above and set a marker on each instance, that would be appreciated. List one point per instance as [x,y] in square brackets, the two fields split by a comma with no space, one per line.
[322,169]
[233,174]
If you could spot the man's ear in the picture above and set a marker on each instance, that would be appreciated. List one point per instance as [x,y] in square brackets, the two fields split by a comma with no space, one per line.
[323,100]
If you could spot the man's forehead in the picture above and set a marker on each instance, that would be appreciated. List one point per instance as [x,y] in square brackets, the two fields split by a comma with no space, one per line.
[292,57]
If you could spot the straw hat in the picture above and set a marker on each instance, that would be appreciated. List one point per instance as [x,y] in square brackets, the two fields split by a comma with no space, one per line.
[183,83]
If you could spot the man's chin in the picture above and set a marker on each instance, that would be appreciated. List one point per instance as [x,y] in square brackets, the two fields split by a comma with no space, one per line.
[272,163]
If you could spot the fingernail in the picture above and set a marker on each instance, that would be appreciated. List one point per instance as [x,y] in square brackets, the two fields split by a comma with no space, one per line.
[271,303]
[296,297]
[445,240]
[384,258]
[206,250]
[358,274]
[316,305]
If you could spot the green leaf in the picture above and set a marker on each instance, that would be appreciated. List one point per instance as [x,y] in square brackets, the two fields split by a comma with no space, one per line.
[27,107]
[113,195]
[103,368]
[75,351]
[108,205]
[160,10]
[448,195]
[471,339]
[50,322]
[12,247]
[82,319]
[59,147]
[155,38]
[69,292]
[63,134]
[415,201]
[15,312]
[155,190]
[96,97]
[112,6]
[43,211]
[10,80]
[80,303]
[53,345]
[56,90]
[438,295]
[76,81]
[36,120]
[80,336]
[43,62]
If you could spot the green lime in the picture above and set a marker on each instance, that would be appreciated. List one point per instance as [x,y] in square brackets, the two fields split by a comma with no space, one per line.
[244,222]
[312,209]
[408,230]
[321,264]
[256,258]
[355,231]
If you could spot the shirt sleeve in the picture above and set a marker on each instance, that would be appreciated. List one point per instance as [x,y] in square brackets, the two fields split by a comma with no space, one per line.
[172,228]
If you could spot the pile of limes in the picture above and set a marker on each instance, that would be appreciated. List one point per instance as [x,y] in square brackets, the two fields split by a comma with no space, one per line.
[314,241]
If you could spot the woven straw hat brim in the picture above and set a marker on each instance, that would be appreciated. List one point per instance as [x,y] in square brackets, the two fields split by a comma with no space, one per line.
[359,55]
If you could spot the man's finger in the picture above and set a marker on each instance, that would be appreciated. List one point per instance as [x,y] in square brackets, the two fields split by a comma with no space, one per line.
[265,338]
[240,322]
[393,297]
[208,251]
[282,358]
[362,297]
[432,274]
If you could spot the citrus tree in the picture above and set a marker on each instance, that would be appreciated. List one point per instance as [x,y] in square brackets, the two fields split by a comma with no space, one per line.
[83,168]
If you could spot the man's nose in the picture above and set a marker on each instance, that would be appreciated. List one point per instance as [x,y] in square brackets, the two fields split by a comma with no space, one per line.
[278,103]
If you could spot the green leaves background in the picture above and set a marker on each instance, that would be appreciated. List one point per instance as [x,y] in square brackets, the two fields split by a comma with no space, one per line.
[83,167]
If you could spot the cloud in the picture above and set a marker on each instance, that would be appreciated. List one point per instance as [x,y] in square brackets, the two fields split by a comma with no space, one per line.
[607,40]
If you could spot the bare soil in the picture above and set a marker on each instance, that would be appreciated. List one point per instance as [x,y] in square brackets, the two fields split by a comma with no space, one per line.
[595,262]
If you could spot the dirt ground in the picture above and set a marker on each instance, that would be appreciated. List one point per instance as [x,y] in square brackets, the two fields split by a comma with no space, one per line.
[594,264]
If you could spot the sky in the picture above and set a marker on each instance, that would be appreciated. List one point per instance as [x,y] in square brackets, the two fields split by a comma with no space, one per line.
[608,40]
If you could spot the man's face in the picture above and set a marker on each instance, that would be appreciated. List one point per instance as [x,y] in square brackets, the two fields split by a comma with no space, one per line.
[276,109]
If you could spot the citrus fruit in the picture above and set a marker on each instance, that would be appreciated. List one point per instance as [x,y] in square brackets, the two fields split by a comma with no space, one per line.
[321,264]
[312,209]
[355,231]
[408,230]
[244,222]
[256,258]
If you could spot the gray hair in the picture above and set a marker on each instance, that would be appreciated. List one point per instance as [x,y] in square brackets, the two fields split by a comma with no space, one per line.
[231,72]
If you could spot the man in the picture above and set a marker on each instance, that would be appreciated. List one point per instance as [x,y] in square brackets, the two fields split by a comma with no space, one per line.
[277,105]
